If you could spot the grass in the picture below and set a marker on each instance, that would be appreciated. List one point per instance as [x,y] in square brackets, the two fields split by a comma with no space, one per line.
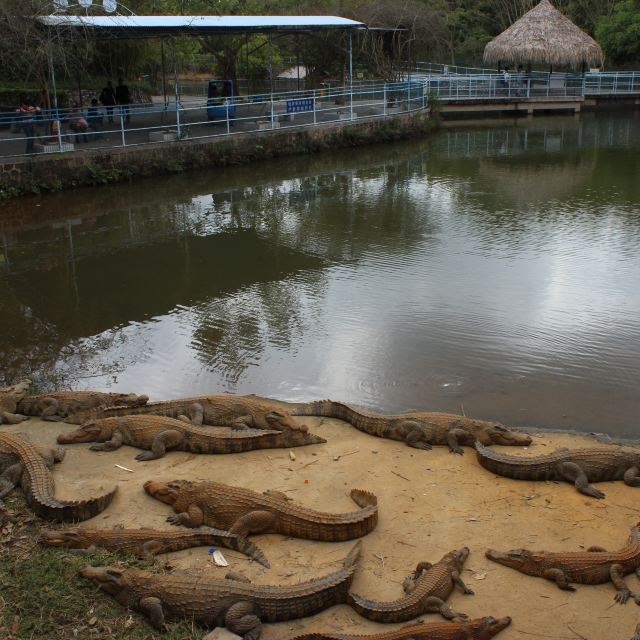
[42,596]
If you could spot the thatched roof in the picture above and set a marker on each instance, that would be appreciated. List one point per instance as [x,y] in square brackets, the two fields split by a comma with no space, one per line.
[544,36]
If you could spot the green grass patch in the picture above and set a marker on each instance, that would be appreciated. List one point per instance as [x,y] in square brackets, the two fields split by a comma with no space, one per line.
[43,597]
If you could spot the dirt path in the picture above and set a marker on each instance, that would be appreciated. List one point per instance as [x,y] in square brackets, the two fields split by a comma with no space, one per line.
[430,503]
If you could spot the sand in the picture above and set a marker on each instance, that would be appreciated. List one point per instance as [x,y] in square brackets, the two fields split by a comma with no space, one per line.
[430,503]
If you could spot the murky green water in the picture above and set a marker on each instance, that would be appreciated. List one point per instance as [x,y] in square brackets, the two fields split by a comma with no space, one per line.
[492,269]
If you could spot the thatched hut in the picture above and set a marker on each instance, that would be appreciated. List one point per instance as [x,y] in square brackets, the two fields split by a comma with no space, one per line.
[544,36]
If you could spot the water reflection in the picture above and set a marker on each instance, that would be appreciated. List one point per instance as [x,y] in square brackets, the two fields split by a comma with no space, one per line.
[492,269]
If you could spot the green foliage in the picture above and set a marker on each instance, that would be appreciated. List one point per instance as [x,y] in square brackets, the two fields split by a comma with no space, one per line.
[619,33]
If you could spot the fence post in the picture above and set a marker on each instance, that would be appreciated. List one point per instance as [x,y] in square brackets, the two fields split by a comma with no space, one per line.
[315,119]
[272,114]
[227,112]
[178,117]
[384,97]
[124,140]
[408,95]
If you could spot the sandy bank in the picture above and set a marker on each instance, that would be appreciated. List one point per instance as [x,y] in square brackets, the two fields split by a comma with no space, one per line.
[430,503]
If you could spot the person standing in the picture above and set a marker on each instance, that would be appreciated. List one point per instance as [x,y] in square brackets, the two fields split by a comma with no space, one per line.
[123,98]
[108,99]
[28,112]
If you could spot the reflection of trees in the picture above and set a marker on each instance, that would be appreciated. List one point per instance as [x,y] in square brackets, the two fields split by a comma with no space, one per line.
[242,253]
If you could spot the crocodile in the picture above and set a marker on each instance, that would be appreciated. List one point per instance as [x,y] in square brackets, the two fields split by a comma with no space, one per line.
[426,590]
[238,412]
[146,543]
[11,468]
[71,406]
[239,605]
[38,485]
[9,399]
[159,434]
[579,466]
[421,430]
[478,629]
[593,566]
[243,511]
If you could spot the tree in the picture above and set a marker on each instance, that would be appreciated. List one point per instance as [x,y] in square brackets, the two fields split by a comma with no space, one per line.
[619,33]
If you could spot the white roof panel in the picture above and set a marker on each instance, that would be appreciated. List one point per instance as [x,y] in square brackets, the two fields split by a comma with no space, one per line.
[159,25]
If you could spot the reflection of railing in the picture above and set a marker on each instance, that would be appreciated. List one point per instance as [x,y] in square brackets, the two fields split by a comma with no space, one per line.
[138,124]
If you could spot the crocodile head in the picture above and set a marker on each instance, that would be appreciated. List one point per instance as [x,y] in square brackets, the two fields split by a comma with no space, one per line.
[166,492]
[109,579]
[456,558]
[69,538]
[281,420]
[488,627]
[522,560]
[89,432]
[497,434]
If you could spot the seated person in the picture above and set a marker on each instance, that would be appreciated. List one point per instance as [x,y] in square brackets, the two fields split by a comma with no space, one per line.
[78,124]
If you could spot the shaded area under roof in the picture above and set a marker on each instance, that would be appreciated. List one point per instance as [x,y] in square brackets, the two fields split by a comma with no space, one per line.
[151,26]
[544,36]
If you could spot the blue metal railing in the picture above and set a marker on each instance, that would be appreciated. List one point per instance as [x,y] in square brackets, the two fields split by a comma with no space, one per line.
[70,130]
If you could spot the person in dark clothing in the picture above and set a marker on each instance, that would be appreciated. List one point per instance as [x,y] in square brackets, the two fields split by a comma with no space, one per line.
[123,98]
[27,114]
[94,117]
[108,99]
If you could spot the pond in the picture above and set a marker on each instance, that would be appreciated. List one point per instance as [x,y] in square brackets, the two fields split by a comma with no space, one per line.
[492,269]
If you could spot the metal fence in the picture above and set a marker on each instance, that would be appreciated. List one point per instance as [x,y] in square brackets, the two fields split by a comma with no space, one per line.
[71,130]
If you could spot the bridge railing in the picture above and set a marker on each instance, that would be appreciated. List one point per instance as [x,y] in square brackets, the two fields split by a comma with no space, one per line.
[492,87]
[74,130]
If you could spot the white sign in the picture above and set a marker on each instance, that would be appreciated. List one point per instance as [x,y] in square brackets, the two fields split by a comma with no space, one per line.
[60,5]
[85,4]
[110,5]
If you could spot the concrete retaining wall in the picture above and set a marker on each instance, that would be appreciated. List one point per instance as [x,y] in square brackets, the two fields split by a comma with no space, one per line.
[90,168]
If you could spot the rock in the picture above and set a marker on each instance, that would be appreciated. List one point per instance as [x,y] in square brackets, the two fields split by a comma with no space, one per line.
[220,633]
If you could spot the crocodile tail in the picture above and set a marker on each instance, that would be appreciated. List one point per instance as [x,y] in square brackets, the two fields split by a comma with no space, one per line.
[253,551]
[324,408]
[71,510]
[364,498]
[352,559]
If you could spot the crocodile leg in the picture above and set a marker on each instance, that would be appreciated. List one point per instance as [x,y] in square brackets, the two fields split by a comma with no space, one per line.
[454,436]
[624,593]
[110,445]
[168,439]
[89,551]
[437,605]
[415,436]
[152,607]
[558,576]
[150,548]
[12,418]
[240,619]
[254,522]
[243,422]
[195,415]
[632,477]
[49,410]
[192,517]
[409,583]
[572,472]
[10,478]
[455,576]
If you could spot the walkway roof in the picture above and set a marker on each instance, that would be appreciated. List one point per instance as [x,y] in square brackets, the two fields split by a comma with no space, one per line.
[152,26]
